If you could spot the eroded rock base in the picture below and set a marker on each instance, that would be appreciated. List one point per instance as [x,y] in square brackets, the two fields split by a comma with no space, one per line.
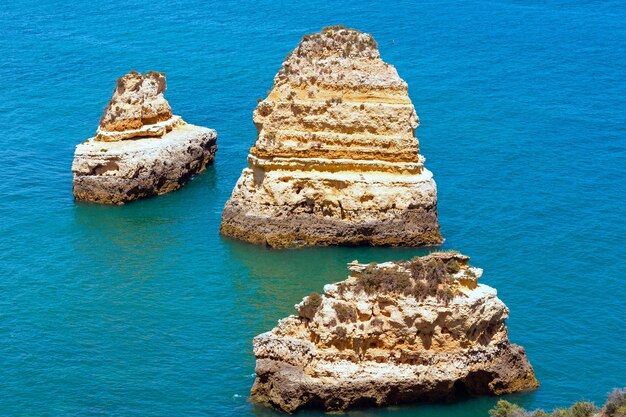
[285,228]
[124,171]
[286,387]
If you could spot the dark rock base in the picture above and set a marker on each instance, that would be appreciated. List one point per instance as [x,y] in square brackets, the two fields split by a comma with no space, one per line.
[119,175]
[288,388]
[290,228]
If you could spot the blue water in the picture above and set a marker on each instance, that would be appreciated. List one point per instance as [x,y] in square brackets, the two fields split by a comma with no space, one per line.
[146,310]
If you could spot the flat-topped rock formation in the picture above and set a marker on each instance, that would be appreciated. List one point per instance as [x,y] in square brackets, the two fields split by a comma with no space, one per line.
[396,332]
[336,160]
[140,149]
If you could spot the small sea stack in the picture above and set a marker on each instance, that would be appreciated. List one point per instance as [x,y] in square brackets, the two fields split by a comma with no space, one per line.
[140,148]
[336,160]
[396,332]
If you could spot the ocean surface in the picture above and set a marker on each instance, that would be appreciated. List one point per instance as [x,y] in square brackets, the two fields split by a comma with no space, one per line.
[145,310]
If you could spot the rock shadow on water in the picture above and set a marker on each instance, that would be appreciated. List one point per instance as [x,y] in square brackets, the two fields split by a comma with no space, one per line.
[143,239]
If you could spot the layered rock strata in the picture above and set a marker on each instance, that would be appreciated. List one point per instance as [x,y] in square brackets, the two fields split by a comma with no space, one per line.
[336,160]
[140,149]
[396,332]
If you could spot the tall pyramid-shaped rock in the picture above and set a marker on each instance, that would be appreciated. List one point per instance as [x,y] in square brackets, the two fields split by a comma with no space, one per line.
[336,160]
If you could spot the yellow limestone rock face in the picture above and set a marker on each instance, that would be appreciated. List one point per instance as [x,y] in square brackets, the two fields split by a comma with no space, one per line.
[336,160]
[140,149]
[137,109]
[392,333]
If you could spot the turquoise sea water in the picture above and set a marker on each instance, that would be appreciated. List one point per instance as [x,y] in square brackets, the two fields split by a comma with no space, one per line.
[145,310]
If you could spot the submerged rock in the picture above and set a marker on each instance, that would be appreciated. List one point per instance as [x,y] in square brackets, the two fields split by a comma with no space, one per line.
[336,160]
[391,333]
[140,149]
